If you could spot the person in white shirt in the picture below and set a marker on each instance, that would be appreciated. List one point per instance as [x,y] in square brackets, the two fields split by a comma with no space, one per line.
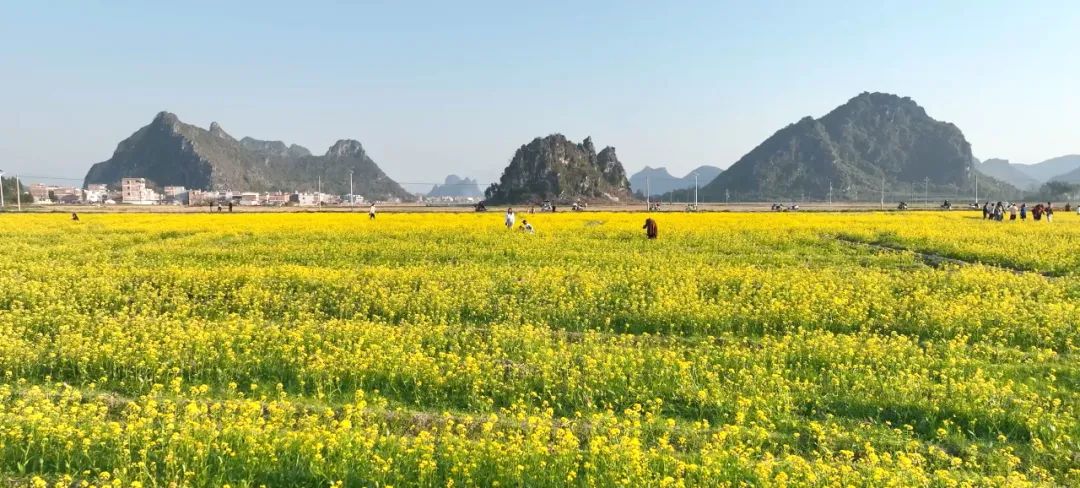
[526,227]
[371,212]
[510,218]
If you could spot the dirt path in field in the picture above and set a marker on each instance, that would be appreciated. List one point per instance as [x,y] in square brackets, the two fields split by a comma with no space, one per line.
[937,259]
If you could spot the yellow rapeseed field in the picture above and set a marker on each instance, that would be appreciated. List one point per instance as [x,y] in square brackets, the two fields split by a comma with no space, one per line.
[738,349]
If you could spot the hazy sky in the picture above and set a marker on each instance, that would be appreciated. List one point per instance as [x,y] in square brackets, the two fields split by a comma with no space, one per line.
[456,87]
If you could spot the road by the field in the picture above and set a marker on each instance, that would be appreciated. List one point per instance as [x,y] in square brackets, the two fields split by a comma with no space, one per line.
[415,207]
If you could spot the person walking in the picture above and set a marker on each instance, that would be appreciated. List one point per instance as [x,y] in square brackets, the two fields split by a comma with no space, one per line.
[371,211]
[510,218]
[650,228]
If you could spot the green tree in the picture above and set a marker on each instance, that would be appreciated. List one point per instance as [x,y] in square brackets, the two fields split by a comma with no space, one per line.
[1057,190]
[10,196]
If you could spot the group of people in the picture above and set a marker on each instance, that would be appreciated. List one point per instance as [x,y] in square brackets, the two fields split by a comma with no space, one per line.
[651,229]
[998,210]
[219,206]
[511,218]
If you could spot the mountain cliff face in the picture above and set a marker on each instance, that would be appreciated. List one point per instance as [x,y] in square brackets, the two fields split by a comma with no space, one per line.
[334,166]
[456,187]
[170,152]
[274,149]
[872,136]
[553,168]
[660,181]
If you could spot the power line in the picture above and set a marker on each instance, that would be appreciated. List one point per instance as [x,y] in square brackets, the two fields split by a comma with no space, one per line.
[49,177]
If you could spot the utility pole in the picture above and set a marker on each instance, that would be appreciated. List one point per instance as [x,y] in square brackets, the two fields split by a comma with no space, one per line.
[351,198]
[648,196]
[18,194]
[695,191]
[926,192]
[2,189]
[883,192]
[830,193]
[319,196]
[976,187]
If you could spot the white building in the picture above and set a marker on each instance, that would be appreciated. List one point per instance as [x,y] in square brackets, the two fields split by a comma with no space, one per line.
[275,199]
[249,198]
[176,194]
[134,191]
[96,193]
[67,195]
[307,199]
[40,193]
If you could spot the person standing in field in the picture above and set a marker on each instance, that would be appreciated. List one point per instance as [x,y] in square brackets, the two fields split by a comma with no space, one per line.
[1023,211]
[371,211]
[650,228]
[230,206]
[1012,211]
[510,218]
[1049,212]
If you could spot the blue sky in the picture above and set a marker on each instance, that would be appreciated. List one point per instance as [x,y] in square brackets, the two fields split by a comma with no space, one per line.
[456,87]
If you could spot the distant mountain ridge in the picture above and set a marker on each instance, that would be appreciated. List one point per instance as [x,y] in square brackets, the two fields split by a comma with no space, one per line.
[553,168]
[870,138]
[456,187]
[168,152]
[1030,176]
[1051,168]
[660,181]
[1070,177]
[1005,171]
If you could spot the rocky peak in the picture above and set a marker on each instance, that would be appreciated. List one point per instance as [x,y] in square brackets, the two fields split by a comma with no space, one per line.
[168,119]
[554,168]
[217,131]
[871,136]
[610,167]
[588,145]
[298,151]
[170,152]
[884,103]
[346,148]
